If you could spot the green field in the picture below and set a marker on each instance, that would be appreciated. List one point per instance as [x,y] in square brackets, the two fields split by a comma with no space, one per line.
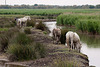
[45,11]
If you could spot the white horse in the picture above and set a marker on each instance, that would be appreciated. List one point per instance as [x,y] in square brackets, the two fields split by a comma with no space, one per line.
[56,34]
[73,40]
[22,21]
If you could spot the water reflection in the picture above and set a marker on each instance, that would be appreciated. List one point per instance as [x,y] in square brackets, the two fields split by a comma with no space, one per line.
[91,47]
[91,41]
[92,53]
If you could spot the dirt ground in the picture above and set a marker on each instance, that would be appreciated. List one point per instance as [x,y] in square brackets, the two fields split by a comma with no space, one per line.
[55,52]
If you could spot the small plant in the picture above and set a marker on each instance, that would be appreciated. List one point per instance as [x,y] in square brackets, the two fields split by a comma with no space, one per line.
[45,32]
[31,23]
[40,49]
[27,30]
[41,26]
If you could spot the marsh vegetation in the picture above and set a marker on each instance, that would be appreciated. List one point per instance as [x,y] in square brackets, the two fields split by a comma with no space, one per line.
[88,23]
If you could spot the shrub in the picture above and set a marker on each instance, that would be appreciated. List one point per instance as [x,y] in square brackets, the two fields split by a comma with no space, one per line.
[21,52]
[27,30]
[40,49]
[22,39]
[41,26]
[81,25]
[69,20]
[89,25]
[63,37]
[92,26]
[66,19]
[60,20]
[31,23]
[7,22]
[5,37]
[26,52]
[11,32]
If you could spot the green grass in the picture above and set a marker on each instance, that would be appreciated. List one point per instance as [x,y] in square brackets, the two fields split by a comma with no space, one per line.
[4,29]
[21,47]
[27,30]
[22,39]
[90,25]
[67,19]
[84,22]
[26,52]
[5,37]
[64,62]
[45,11]
[41,26]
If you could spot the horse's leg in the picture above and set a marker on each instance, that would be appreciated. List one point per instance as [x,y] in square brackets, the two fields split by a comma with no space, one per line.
[78,47]
[67,41]
[25,23]
[20,23]
[54,38]
[57,39]
[72,43]
[17,23]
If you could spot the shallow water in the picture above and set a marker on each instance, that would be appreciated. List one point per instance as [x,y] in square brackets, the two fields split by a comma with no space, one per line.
[90,45]
[51,26]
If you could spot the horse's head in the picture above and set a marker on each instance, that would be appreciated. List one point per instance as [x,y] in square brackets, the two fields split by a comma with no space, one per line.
[28,17]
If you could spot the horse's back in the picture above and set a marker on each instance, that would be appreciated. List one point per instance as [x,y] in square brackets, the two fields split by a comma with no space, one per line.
[72,35]
[69,34]
[57,31]
[76,36]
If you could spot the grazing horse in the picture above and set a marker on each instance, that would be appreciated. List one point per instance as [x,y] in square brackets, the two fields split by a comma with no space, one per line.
[56,35]
[73,41]
[22,21]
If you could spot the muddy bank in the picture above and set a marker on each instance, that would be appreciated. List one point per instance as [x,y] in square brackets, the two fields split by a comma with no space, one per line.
[54,53]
